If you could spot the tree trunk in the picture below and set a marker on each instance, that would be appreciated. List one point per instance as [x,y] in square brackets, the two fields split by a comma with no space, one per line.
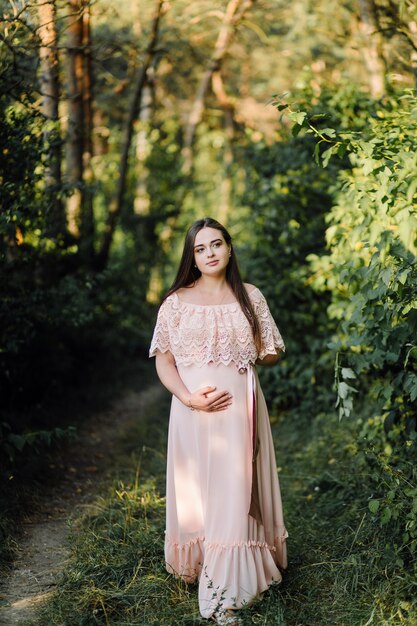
[87,222]
[403,18]
[372,47]
[226,188]
[142,202]
[116,206]
[75,113]
[50,92]
[233,15]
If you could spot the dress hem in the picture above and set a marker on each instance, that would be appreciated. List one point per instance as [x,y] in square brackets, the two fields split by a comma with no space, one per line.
[236,544]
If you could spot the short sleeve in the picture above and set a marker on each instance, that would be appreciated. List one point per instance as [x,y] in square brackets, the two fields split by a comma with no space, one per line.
[272,342]
[160,340]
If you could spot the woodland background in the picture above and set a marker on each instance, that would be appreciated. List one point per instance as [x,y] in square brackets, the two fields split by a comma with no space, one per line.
[292,123]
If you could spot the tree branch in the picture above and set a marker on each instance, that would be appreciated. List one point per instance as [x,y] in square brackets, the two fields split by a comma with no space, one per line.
[234,14]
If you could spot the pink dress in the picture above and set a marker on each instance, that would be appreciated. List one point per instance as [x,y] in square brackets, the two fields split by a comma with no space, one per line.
[224,522]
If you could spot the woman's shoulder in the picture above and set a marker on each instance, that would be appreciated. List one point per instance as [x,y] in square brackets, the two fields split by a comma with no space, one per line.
[180,292]
[251,289]
[180,296]
[168,301]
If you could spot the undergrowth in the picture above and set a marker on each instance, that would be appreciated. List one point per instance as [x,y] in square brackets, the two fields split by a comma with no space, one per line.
[26,476]
[344,569]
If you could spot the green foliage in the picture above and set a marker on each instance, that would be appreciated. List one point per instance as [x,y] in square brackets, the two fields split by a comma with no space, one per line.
[57,319]
[394,505]
[369,272]
[371,269]
[351,562]
[12,443]
[288,197]
[21,149]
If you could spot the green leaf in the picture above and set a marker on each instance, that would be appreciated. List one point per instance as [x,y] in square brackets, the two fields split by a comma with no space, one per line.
[329,132]
[341,150]
[410,385]
[412,353]
[368,165]
[342,390]
[18,441]
[327,154]
[317,153]
[295,131]
[373,506]
[347,372]
[386,275]
[386,515]
[297,117]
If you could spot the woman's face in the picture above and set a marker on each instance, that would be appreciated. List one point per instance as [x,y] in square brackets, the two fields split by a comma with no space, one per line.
[211,252]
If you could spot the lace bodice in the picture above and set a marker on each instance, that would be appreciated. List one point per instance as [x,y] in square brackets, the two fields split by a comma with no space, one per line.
[219,333]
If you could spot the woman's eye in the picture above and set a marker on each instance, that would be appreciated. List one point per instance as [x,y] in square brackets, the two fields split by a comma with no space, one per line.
[199,250]
[217,244]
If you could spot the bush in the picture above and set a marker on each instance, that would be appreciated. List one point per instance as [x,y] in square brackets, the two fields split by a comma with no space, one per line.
[370,274]
[288,196]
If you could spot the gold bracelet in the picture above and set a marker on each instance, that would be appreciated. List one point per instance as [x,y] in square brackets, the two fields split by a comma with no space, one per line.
[189,404]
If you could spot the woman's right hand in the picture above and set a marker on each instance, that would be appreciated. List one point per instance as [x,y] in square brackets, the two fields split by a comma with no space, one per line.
[206,399]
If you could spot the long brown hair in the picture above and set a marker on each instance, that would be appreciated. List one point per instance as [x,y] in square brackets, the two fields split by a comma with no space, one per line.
[188,274]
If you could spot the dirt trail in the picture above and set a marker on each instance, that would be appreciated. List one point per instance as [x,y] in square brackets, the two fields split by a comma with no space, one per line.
[88,465]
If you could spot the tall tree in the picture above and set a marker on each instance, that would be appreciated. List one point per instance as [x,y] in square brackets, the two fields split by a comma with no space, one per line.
[142,200]
[226,103]
[140,83]
[235,12]
[75,130]
[372,47]
[87,97]
[398,25]
[141,203]
[79,173]
[50,92]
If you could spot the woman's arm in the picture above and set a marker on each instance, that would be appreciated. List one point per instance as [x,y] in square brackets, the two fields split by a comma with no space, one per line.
[204,399]
[270,336]
[269,359]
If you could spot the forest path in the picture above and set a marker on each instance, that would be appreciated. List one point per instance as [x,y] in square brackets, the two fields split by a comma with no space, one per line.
[98,455]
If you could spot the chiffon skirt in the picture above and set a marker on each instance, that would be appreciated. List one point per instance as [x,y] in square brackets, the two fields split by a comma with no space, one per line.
[210,535]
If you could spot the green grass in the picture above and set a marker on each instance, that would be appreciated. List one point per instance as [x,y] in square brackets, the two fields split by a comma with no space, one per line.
[342,562]
[343,566]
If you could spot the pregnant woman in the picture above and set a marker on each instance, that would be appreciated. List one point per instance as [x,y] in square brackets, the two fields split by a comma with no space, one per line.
[224,522]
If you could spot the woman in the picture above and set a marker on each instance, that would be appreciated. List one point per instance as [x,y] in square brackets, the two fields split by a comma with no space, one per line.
[224,517]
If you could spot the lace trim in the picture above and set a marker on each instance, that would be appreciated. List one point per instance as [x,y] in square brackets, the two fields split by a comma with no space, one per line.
[219,334]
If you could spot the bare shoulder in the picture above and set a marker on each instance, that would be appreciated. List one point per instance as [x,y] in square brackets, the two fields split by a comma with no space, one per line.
[188,294]
[249,287]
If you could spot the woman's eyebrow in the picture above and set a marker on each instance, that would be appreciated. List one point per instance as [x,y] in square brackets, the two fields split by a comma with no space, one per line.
[201,245]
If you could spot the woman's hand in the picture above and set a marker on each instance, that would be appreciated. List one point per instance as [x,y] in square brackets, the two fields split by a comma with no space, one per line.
[206,400]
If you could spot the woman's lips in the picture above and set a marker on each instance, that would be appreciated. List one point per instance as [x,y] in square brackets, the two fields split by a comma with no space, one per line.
[212,263]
